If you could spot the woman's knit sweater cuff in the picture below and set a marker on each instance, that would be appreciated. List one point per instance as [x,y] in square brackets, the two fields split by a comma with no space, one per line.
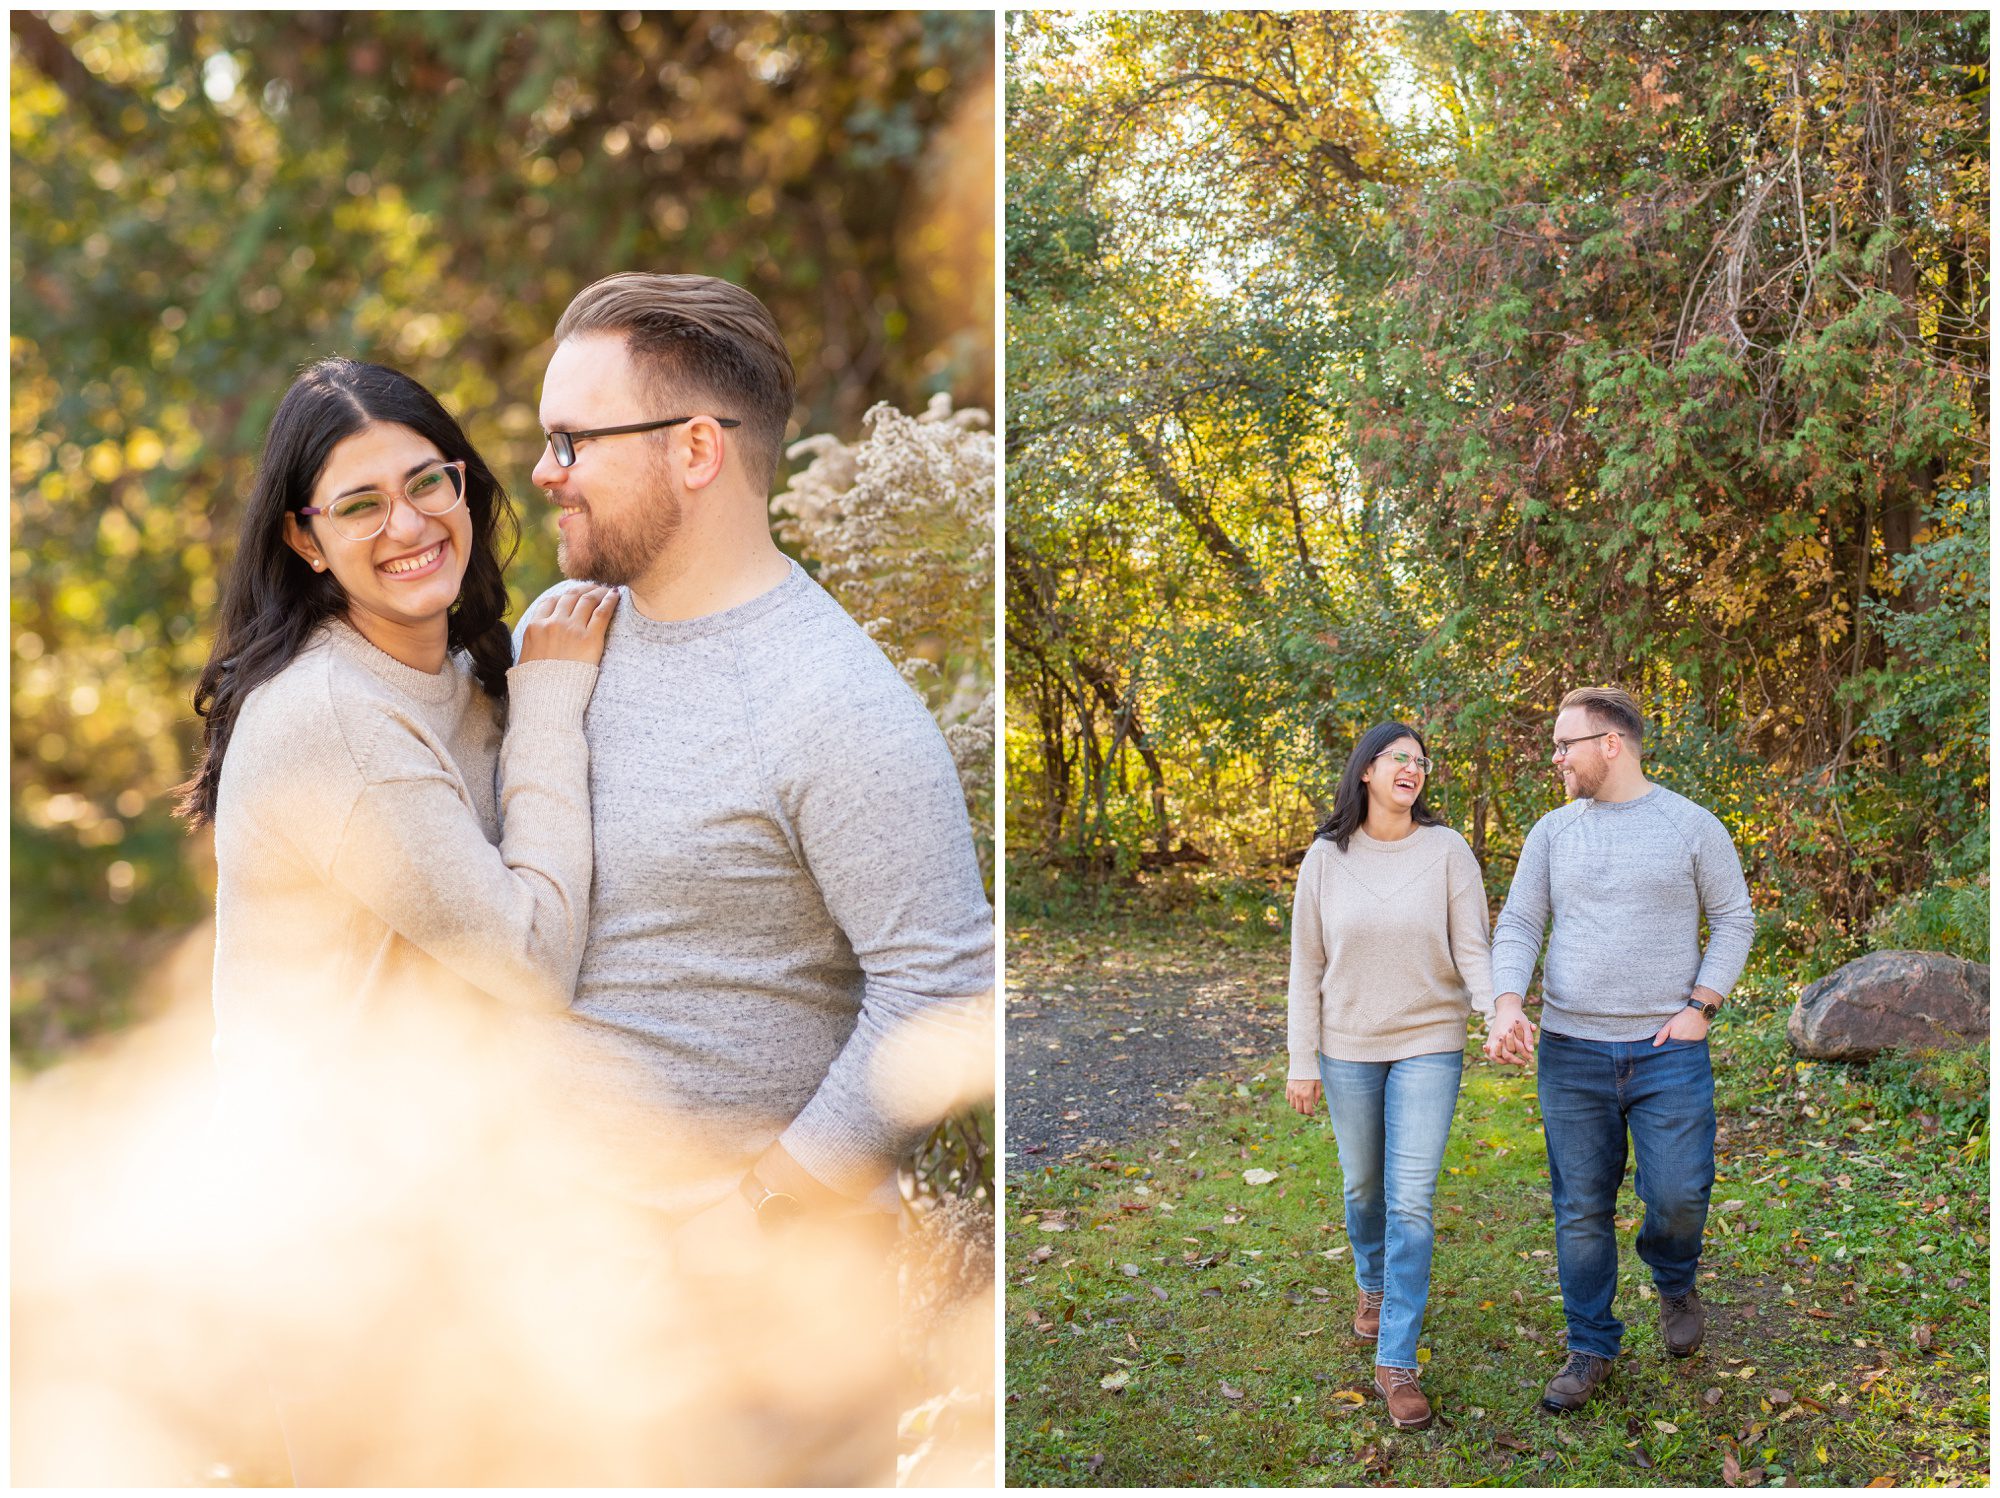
[549,694]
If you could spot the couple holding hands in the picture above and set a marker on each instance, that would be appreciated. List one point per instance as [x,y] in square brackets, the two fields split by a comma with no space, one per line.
[1389,951]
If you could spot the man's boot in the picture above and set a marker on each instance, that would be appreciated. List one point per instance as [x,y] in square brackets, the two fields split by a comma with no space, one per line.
[1681,1321]
[1368,1315]
[1408,1409]
[1571,1389]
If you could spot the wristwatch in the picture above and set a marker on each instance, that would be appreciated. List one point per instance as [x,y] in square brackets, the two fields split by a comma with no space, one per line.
[775,1209]
[1708,1011]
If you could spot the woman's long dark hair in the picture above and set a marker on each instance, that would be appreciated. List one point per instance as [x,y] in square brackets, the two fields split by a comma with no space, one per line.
[274,600]
[1350,798]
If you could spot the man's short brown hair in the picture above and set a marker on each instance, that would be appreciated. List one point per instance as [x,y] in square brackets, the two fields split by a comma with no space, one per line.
[1611,708]
[699,337]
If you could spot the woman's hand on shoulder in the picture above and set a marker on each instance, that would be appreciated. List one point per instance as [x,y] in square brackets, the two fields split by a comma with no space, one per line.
[569,626]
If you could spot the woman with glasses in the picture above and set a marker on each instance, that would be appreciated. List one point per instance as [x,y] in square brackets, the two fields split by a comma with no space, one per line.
[402,841]
[1389,953]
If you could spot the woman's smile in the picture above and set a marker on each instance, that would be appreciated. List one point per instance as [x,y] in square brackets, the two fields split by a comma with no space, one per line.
[417,564]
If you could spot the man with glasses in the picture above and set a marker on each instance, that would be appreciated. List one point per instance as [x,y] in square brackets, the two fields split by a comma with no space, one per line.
[788,931]
[1627,870]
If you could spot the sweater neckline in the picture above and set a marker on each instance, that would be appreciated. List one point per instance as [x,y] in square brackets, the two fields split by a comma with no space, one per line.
[372,658]
[674,631]
[1360,836]
[1609,807]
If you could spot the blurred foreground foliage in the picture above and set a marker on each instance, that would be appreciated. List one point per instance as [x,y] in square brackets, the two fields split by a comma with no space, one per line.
[203,202]
[1424,366]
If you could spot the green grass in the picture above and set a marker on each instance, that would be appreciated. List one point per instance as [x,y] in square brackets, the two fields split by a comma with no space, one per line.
[1845,1271]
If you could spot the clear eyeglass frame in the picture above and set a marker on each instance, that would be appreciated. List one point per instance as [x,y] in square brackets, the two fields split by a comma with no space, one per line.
[1403,757]
[437,490]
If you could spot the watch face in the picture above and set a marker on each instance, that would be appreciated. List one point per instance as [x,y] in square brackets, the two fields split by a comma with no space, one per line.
[778,1209]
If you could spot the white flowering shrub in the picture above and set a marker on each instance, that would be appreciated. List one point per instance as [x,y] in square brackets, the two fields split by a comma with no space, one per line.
[899,528]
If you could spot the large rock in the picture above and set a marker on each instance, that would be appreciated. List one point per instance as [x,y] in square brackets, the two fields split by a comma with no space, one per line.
[1891,1001]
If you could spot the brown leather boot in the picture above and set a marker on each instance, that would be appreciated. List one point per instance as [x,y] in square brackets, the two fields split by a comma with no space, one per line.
[1681,1321]
[1408,1409]
[1571,1389]
[1368,1316]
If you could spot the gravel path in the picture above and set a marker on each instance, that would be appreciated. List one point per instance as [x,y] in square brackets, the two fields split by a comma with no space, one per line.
[1102,1038]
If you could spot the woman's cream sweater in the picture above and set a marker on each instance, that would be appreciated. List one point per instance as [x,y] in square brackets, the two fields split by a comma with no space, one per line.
[1389,949]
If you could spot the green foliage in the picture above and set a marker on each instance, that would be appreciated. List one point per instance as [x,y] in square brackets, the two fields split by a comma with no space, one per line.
[204,201]
[1598,349]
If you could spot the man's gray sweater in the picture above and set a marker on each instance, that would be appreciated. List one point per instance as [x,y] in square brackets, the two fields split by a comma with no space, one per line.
[1627,884]
[786,903]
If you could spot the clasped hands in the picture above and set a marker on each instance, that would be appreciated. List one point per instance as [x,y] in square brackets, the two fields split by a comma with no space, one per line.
[1510,1035]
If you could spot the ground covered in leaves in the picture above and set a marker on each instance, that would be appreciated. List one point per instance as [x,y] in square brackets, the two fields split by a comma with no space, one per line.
[1178,1294]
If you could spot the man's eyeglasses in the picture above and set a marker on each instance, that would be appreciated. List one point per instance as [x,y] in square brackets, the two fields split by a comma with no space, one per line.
[1563,746]
[563,444]
[435,490]
[1403,759]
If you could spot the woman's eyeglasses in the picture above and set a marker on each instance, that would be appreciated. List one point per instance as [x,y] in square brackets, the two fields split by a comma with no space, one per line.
[436,490]
[1402,759]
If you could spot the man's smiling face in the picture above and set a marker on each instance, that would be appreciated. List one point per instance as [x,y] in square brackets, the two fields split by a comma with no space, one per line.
[617,508]
[1583,769]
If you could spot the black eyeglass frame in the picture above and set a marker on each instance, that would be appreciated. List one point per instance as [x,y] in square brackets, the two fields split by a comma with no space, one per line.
[1563,746]
[563,444]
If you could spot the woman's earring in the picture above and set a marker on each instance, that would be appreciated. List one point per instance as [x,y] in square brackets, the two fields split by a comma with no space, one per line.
[317,564]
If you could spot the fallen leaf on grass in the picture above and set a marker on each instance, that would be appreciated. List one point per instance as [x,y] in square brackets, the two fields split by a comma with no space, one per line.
[1041,1255]
[1115,1381]
[1256,1177]
[1512,1443]
[1666,1427]
[1229,1393]
[1732,1470]
[1780,1396]
[1711,1396]
[1924,1336]
[1349,1396]
[1886,1480]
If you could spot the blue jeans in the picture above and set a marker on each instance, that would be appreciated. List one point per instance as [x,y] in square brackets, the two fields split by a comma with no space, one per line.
[1390,1121]
[1592,1092]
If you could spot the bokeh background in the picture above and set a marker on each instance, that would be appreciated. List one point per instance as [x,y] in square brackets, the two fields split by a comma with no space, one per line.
[203,202]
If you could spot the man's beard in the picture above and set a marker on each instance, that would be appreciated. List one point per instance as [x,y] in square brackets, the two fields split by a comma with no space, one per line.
[619,554]
[1586,785]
